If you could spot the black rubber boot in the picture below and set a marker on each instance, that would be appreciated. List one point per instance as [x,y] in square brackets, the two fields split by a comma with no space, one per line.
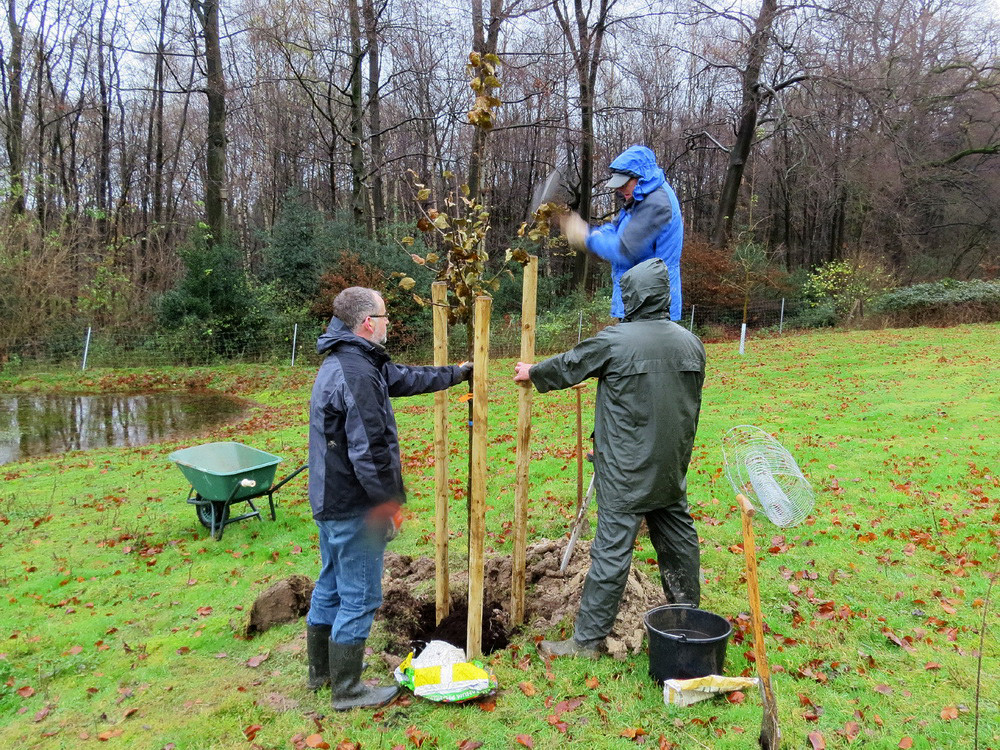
[346,688]
[318,649]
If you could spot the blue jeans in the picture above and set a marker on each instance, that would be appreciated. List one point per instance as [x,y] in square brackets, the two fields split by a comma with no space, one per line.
[349,588]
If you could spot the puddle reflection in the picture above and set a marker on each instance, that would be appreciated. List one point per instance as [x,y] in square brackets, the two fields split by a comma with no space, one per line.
[31,424]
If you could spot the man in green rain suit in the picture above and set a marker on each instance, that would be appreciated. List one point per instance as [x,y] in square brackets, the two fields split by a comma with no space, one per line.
[649,374]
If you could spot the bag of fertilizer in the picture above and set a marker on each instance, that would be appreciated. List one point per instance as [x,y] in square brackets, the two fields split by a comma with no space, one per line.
[442,674]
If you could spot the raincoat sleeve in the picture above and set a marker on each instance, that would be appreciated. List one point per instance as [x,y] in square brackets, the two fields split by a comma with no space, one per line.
[368,448]
[587,359]
[404,380]
[604,241]
[631,239]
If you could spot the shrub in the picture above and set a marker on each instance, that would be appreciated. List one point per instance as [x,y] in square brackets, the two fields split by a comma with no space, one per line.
[410,327]
[298,249]
[849,285]
[705,271]
[212,310]
[944,301]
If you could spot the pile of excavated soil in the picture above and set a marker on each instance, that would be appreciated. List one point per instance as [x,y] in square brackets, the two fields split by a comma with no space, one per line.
[551,600]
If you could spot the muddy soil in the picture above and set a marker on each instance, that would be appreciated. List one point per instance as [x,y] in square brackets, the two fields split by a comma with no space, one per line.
[551,601]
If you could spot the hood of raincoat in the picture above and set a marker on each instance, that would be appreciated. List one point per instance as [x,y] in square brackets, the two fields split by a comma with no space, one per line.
[338,334]
[646,291]
[640,162]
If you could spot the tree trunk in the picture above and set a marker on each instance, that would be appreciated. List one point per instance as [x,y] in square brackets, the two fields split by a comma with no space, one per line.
[104,150]
[485,38]
[374,113]
[585,40]
[358,203]
[14,115]
[747,125]
[207,12]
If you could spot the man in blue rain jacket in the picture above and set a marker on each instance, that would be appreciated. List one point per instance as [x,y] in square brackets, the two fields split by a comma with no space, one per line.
[356,486]
[649,225]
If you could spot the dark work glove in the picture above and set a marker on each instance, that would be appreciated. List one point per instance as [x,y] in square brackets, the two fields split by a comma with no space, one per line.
[466,368]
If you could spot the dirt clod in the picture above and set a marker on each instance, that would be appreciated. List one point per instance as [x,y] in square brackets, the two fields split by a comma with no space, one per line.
[285,601]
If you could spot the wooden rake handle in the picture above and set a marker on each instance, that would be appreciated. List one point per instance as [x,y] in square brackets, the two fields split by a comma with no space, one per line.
[770,736]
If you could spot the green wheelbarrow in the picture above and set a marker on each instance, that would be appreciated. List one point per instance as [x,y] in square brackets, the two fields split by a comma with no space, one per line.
[222,474]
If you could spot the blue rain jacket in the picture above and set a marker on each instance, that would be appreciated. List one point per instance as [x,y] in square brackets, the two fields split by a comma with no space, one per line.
[649,226]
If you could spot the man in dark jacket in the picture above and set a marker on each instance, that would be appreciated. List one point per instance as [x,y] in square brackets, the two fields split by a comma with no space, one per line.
[650,373]
[356,486]
[648,226]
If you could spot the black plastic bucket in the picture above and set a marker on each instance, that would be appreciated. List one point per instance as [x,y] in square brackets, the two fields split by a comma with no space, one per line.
[685,642]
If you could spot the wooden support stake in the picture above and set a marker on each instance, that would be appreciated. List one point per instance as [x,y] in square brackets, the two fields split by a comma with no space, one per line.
[529,294]
[477,501]
[442,594]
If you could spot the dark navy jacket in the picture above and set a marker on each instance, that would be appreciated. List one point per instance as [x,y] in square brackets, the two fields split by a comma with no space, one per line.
[353,443]
[649,226]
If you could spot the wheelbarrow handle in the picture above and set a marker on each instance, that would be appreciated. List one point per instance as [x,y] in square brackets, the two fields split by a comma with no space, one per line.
[290,477]
[247,483]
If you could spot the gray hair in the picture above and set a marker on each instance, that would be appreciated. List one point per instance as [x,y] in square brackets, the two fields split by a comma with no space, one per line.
[354,304]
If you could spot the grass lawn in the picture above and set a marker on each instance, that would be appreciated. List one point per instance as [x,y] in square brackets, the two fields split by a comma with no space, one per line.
[121,620]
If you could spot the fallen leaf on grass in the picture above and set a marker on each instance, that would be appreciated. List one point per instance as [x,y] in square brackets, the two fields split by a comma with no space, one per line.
[129,712]
[906,742]
[851,730]
[256,661]
[949,712]
[592,682]
[26,692]
[666,744]
[632,732]
[251,731]
[525,740]
[316,740]
[488,704]
[528,689]
[415,735]
[883,689]
[42,714]
[105,736]
[817,741]
[736,697]
[469,745]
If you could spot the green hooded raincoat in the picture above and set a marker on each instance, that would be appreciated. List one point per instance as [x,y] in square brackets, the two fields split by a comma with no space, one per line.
[650,373]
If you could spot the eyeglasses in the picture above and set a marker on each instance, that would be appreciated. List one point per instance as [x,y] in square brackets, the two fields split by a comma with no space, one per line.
[378,316]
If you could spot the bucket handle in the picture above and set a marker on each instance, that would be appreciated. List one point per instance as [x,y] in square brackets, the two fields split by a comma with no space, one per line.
[679,637]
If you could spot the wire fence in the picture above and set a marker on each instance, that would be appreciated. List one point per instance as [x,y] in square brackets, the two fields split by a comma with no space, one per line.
[93,347]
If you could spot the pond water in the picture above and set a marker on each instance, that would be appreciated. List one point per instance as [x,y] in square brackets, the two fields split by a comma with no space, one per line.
[33,424]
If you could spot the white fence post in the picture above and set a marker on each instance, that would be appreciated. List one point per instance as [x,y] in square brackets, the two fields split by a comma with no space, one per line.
[86,349]
[781,321]
[743,336]
[691,324]
[295,338]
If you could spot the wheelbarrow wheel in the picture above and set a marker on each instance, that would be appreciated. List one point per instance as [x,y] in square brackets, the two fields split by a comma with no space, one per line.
[204,511]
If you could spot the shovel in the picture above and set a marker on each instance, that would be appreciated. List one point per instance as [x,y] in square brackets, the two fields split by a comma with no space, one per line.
[549,190]
[581,516]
